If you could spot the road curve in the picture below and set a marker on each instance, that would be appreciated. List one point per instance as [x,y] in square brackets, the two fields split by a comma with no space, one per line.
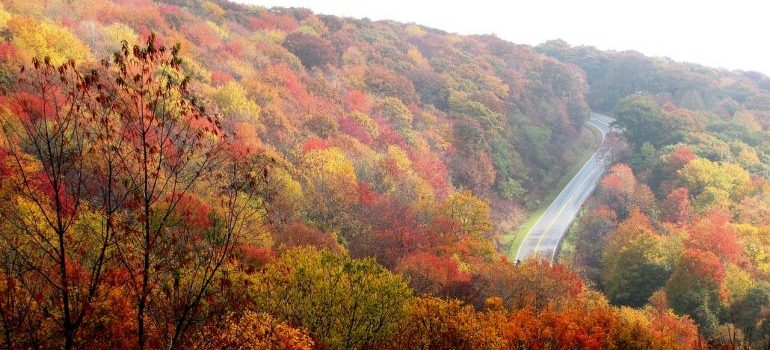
[544,237]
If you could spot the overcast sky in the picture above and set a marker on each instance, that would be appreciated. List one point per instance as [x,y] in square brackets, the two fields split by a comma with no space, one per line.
[731,34]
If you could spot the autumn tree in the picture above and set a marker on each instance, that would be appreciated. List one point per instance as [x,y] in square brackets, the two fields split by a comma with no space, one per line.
[533,284]
[38,39]
[233,102]
[676,207]
[198,244]
[343,303]
[557,327]
[59,239]
[432,275]
[119,149]
[397,113]
[257,331]
[469,212]
[284,195]
[713,183]
[595,226]
[331,186]
[693,288]
[618,188]
[164,144]
[654,328]
[384,82]
[713,232]
[636,261]
[300,235]
[433,323]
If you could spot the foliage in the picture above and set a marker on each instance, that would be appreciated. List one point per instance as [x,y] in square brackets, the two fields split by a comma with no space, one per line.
[233,102]
[155,222]
[584,322]
[510,188]
[439,324]
[343,303]
[640,118]
[310,50]
[470,213]
[636,261]
[259,332]
[46,39]
[696,134]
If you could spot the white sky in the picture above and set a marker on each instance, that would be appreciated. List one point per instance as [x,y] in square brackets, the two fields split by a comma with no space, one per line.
[731,34]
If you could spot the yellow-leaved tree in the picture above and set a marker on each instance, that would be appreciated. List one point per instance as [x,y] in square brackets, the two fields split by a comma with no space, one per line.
[469,212]
[46,39]
[332,186]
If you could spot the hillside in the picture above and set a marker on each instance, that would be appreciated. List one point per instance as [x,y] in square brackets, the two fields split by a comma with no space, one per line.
[686,216]
[614,75]
[203,174]
[470,112]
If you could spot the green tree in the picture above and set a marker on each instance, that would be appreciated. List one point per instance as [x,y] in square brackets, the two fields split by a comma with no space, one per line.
[641,119]
[693,288]
[747,311]
[510,188]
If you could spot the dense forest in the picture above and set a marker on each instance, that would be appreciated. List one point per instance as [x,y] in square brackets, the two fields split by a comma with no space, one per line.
[203,174]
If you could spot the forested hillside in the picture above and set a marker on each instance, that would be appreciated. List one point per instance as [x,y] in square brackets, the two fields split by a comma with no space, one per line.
[201,174]
[613,75]
[689,220]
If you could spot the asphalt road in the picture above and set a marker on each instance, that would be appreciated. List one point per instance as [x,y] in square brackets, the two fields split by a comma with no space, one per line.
[544,237]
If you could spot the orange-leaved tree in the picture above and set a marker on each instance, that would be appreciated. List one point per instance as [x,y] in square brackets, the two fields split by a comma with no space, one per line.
[54,234]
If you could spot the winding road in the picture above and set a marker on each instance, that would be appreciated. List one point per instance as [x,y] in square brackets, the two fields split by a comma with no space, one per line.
[544,237]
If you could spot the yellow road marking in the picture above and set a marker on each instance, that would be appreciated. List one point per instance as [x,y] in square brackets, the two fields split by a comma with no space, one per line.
[553,219]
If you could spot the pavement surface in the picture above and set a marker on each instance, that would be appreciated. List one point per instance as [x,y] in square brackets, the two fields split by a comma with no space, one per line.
[544,237]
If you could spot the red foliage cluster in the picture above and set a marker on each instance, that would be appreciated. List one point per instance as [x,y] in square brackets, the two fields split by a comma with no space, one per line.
[431,274]
[356,101]
[714,233]
[219,78]
[274,20]
[316,144]
[7,51]
[353,128]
